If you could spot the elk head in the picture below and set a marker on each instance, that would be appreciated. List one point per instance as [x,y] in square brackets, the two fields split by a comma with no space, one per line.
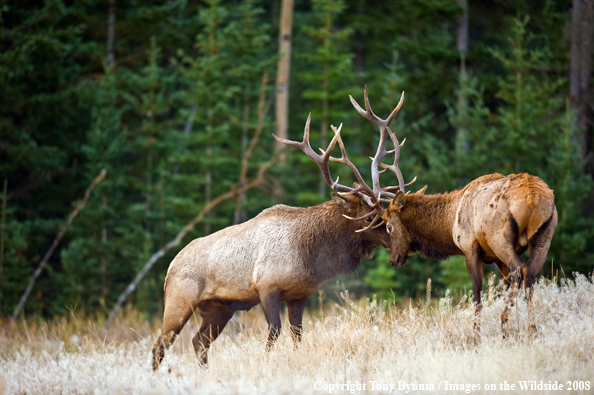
[401,246]
[369,209]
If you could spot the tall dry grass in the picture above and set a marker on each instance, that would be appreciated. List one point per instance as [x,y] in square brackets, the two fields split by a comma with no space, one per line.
[356,342]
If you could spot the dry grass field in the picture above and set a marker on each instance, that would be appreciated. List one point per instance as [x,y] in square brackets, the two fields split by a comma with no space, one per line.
[352,347]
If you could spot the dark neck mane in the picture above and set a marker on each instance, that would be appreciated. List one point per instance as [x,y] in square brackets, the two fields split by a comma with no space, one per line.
[328,242]
[429,220]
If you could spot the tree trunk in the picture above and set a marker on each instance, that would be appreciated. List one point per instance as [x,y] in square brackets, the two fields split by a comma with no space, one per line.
[283,72]
[582,16]
[462,35]
[324,124]
[111,17]
[462,45]
[2,232]
[359,44]
[103,258]
[325,92]
[239,215]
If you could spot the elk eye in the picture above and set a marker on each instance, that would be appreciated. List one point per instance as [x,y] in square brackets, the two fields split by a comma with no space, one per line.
[368,219]
[389,227]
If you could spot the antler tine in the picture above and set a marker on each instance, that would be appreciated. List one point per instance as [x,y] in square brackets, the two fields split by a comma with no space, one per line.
[397,187]
[378,211]
[394,167]
[378,225]
[366,192]
[320,160]
[373,222]
[370,115]
[367,106]
[395,111]
[368,112]
[390,195]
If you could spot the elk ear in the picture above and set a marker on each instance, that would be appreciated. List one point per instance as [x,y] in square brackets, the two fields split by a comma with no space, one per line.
[421,191]
[398,202]
[346,201]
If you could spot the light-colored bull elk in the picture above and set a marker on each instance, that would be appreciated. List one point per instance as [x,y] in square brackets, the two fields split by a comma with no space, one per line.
[281,255]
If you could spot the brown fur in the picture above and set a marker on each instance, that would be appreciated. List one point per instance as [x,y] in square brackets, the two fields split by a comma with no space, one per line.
[281,255]
[493,219]
[420,215]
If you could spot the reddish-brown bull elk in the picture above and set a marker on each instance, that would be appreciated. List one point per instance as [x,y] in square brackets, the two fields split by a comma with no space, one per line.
[281,255]
[493,219]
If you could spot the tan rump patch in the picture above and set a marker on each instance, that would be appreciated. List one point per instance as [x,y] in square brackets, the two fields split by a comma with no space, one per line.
[530,188]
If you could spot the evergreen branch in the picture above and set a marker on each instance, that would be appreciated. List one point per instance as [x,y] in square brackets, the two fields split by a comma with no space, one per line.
[49,253]
[26,25]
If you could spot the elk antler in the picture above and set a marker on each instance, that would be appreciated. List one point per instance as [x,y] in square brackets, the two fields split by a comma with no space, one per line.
[363,189]
[373,197]
[322,160]
[383,126]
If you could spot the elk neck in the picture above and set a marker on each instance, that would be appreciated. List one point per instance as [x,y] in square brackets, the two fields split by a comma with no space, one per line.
[328,241]
[429,220]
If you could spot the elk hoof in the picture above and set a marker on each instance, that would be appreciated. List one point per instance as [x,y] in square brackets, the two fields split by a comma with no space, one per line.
[504,326]
[203,360]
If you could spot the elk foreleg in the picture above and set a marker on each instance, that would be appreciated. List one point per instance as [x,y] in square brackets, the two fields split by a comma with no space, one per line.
[270,301]
[215,315]
[295,308]
[174,319]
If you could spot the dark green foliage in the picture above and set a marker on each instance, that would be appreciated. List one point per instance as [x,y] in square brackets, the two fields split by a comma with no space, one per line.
[171,118]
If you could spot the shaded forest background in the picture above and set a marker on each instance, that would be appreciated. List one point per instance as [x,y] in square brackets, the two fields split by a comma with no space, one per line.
[167,96]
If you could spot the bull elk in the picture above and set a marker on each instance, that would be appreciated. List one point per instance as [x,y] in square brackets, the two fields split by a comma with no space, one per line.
[281,255]
[493,219]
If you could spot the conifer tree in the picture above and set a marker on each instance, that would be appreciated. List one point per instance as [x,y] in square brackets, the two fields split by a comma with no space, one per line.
[330,75]
[207,149]
[251,58]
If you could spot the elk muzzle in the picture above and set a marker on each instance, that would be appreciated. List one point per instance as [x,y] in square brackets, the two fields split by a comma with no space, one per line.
[398,260]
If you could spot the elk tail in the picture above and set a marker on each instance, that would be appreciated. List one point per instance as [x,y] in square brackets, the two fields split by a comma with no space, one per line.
[542,234]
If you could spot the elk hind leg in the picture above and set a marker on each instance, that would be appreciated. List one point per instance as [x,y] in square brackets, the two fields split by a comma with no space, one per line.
[174,319]
[475,268]
[538,247]
[215,316]
[295,310]
[502,244]
[504,271]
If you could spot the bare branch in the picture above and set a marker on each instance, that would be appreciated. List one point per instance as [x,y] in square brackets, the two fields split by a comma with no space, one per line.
[49,253]
[250,149]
